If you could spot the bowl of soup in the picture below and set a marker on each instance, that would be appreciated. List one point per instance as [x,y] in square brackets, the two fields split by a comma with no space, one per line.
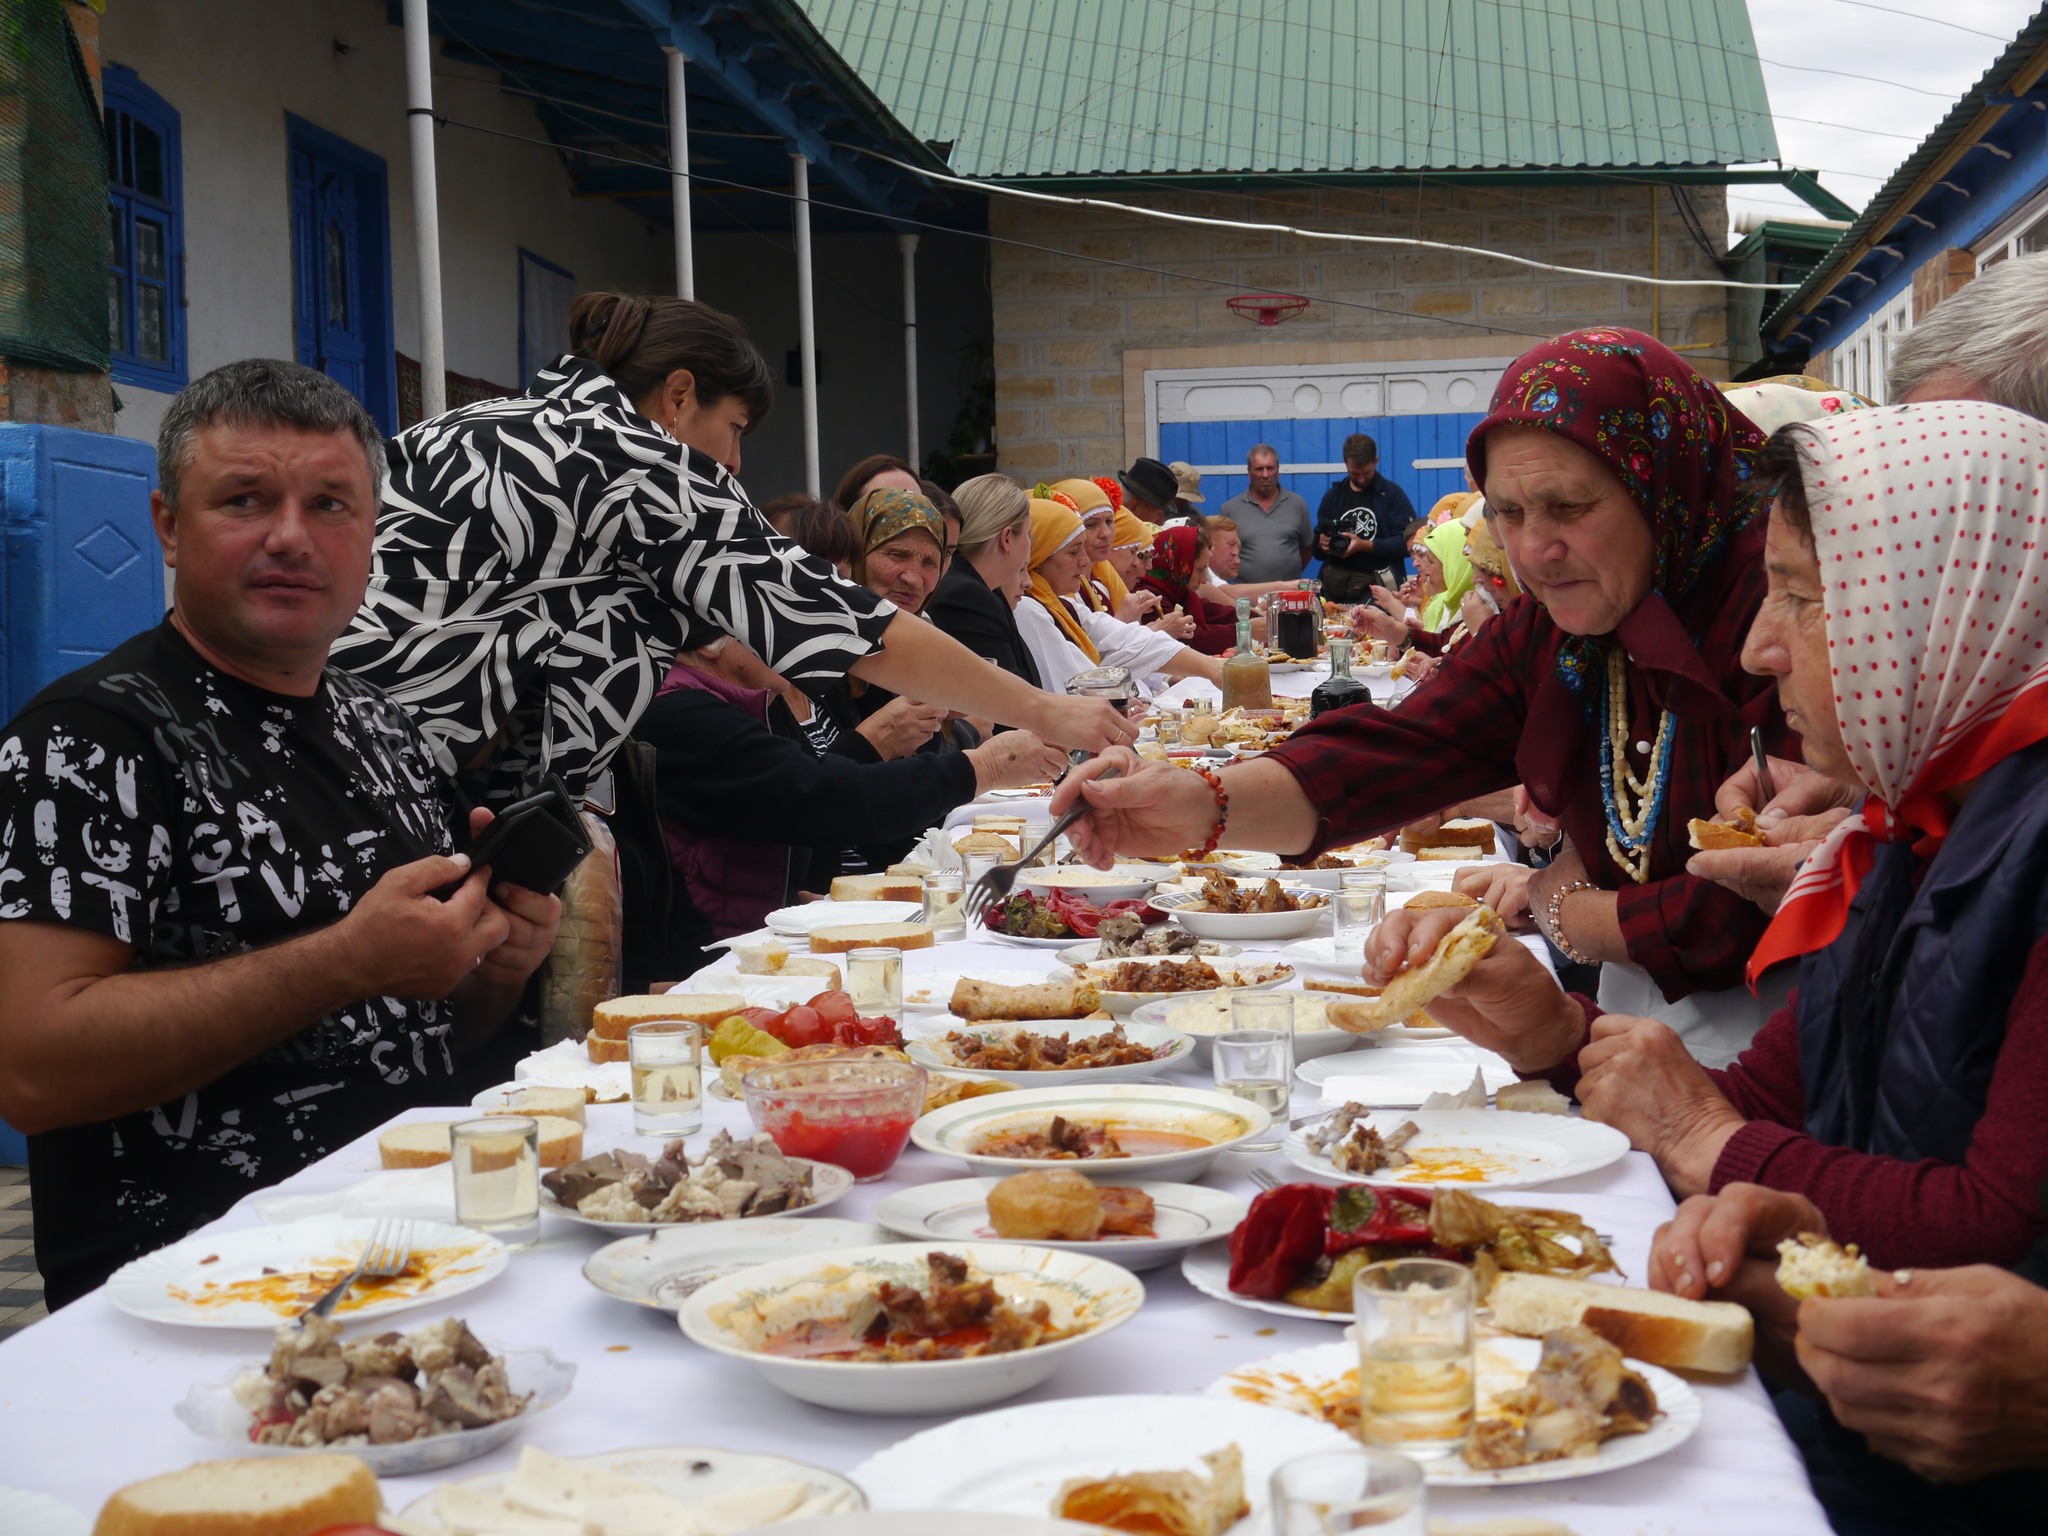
[1124,1133]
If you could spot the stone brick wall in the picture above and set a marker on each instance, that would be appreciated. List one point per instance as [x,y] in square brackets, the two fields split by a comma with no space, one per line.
[1063,323]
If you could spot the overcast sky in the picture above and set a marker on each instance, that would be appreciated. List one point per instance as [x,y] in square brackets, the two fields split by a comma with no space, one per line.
[1920,43]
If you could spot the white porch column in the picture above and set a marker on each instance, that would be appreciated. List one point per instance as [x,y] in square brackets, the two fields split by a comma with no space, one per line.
[426,205]
[806,323]
[679,174]
[908,245]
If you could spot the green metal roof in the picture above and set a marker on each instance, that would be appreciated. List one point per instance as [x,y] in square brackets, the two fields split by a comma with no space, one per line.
[1091,88]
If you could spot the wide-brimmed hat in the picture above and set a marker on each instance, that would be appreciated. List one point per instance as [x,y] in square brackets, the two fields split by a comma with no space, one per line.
[1188,478]
[1150,481]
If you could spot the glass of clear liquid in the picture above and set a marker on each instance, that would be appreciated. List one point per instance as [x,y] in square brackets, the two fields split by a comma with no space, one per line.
[1358,906]
[943,895]
[1254,1059]
[874,978]
[668,1080]
[1349,1490]
[1415,1366]
[497,1177]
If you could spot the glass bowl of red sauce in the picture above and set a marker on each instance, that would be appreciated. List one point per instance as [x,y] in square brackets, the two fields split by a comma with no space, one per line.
[854,1113]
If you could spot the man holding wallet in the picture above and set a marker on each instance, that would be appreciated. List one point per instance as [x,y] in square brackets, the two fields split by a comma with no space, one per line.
[233,926]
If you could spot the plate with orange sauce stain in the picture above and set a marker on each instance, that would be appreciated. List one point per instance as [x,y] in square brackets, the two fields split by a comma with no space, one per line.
[1474,1149]
[263,1276]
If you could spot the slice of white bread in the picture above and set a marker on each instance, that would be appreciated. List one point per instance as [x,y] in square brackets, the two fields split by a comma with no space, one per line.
[1534,1097]
[1811,1265]
[612,1019]
[1458,832]
[601,1050]
[566,1103]
[837,941]
[876,888]
[1644,1325]
[250,1496]
[761,959]
[804,965]
[1448,854]
[421,1144]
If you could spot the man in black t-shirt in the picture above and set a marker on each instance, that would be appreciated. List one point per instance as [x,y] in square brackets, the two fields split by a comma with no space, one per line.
[1360,526]
[223,953]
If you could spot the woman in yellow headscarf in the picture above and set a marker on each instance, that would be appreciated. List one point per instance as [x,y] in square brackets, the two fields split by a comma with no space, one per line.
[1104,591]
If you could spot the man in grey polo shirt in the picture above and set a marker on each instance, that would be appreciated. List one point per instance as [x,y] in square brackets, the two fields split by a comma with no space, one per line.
[1274,526]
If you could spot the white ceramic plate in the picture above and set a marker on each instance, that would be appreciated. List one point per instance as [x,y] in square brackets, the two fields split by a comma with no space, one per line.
[1308,1043]
[414,1194]
[1396,1079]
[170,1285]
[922,1522]
[799,921]
[955,1130]
[930,1051]
[567,1064]
[24,1513]
[662,1268]
[1255,861]
[956,1211]
[1085,952]
[1185,908]
[1207,1269]
[691,1473]
[1092,1293]
[829,1185]
[1508,1151]
[1289,1381]
[932,991]
[1117,883]
[211,1412]
[1014,1461]
[1244,975]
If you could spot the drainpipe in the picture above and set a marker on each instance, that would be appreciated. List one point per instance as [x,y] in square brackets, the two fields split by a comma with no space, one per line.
[426,215]
[679,174]
[908,245]
[806,323]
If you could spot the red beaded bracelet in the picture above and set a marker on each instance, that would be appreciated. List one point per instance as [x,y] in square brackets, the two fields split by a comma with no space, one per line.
[1222,807]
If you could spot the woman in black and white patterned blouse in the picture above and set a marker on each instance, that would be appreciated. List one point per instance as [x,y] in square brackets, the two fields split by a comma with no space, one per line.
[540,560]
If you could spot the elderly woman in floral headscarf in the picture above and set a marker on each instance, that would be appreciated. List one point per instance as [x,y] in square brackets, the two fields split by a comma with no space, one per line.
[1175,574]
[1625,491]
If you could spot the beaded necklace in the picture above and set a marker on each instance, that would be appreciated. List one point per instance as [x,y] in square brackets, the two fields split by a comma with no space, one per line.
[1630,829]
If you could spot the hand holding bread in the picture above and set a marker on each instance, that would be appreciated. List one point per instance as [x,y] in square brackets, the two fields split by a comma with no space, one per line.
[1505,1001]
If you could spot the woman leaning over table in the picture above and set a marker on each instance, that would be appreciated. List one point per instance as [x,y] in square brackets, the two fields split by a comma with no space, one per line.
[1064,637]
[540,561]
[1623,490]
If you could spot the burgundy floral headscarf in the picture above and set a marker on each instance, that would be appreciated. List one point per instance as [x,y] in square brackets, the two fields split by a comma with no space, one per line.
[1661,425]
[1173,556]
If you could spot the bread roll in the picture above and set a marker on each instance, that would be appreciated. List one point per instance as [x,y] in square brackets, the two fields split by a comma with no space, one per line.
[421,1144]
[252,1496]
[1644,1325]
[1056,1204]
[837,941]
[611,1019]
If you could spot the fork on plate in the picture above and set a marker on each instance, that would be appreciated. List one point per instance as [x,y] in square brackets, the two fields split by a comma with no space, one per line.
[995,885]
[386,1254]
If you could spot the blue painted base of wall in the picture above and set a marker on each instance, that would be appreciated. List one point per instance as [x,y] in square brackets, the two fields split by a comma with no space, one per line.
[13,1147]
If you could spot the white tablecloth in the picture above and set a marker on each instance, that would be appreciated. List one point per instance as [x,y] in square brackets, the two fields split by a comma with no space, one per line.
[86,1396]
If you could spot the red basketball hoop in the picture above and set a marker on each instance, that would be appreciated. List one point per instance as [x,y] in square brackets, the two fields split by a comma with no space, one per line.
[1267,308]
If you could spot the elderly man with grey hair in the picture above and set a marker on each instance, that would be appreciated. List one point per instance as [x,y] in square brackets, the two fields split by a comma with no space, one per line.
[234,931]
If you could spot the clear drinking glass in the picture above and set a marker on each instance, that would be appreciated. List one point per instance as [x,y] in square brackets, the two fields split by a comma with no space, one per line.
[1358,906]
[975,865]
[943,895]
[668,1081]
[1166,732]
[1349,1490]
[1256,1065]
[1413,1319]
[497,1177]
[874,977]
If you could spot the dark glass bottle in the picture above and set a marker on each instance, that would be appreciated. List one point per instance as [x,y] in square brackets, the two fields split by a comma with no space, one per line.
[1340,688]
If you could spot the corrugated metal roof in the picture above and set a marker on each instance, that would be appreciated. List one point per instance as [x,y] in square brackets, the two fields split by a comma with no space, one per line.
[1074,88]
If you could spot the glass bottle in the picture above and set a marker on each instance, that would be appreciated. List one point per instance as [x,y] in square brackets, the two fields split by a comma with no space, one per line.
[1340,687]
[1247,680]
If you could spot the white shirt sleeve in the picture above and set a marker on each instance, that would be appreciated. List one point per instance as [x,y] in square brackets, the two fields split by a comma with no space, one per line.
[1143,650]
[1056,657]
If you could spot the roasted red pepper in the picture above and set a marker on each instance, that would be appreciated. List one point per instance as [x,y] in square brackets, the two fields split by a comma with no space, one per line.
[1362,1214]
[1289,1228]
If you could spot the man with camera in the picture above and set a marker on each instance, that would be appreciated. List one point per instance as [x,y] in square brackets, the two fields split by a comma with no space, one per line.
[234,930]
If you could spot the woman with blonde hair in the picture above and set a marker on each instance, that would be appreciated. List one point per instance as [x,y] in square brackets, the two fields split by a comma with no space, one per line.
[977,597]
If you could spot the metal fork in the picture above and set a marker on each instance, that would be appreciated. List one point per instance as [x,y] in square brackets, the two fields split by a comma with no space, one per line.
[1263,1179]
[384,1255]
[995,885]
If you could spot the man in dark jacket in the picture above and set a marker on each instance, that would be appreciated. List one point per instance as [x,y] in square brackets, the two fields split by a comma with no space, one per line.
[1359,526]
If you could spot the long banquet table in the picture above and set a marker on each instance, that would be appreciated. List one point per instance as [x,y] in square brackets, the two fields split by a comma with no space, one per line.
[86,1397]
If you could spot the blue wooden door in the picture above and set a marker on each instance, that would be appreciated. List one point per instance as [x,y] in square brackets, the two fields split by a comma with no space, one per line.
[341,295]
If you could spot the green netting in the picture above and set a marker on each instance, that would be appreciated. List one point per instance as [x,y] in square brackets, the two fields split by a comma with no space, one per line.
[53,194]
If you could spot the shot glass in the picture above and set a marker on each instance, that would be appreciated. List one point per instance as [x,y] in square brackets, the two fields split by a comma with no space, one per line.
[497,1177]
[1256,1065]
[1354,1489]
[874,977]
[943,894]
[668,1080]
[1166,731]
[1413,1320]
[975,865]
[1358,906]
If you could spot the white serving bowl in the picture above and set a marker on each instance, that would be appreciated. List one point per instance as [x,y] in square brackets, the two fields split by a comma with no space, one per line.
[1186,908]
[1119,883]
[1094,1293]
[956,1130]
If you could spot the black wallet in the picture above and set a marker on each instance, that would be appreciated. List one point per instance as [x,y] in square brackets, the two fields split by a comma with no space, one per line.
[536,842]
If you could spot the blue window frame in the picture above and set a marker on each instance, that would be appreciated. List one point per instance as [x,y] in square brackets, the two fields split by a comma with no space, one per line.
[145,234]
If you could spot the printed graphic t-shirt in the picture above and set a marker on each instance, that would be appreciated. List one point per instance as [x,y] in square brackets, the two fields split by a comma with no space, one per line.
[159,801]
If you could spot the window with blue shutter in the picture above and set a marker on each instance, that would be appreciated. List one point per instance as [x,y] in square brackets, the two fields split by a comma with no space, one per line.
[145,234]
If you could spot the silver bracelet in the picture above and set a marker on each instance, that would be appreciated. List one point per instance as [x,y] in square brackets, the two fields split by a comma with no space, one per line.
[1554,918]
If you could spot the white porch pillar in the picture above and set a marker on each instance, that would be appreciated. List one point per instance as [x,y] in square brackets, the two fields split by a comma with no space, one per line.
[806,323]
[908,245]
[426,207]
[679,174]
